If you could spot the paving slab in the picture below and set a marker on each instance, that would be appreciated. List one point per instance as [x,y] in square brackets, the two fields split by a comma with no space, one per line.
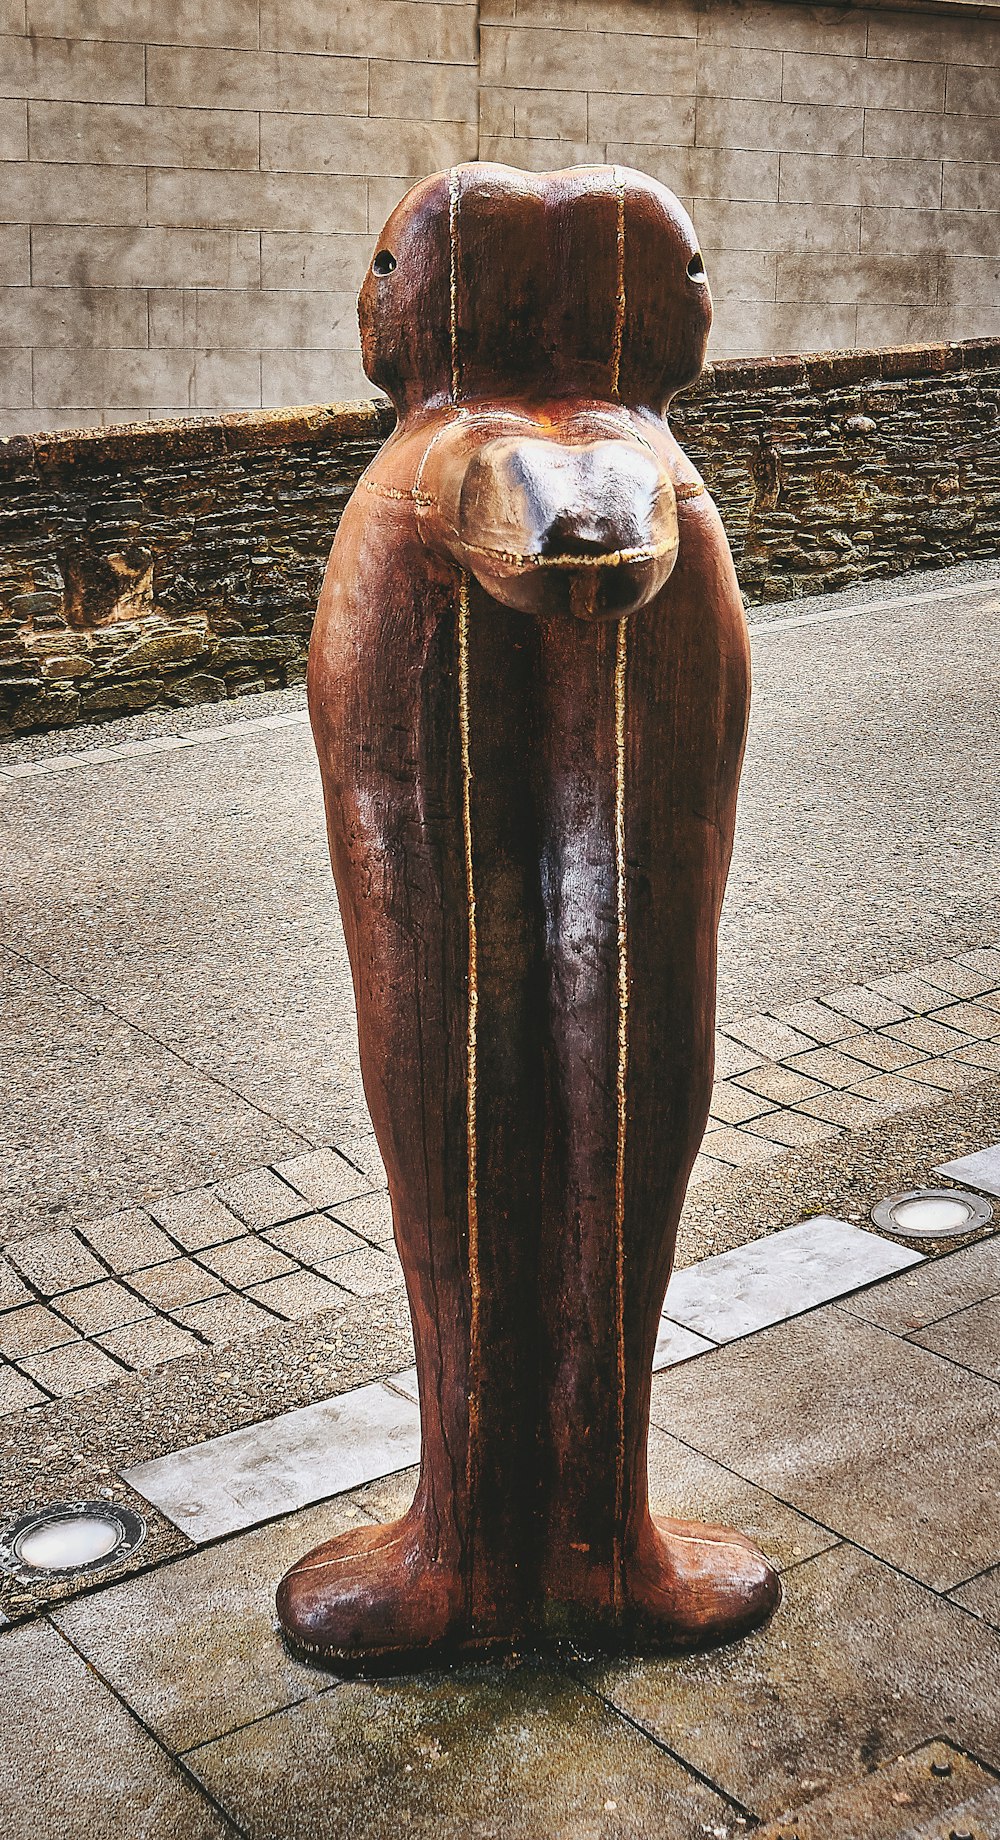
[323,1178]
[196,1219]
[498,1753]
[97,1114]
[685,1485]
[857,1666]
[32,1330]
[128,1240]
[887,1444]
[736,1293]
[934,1792]
[980,1170]
[971,1337]
[75,1764]
[981,1595]
[932,1290]
[268,1469]
[674,1343]
[192,1646]
[102,1306]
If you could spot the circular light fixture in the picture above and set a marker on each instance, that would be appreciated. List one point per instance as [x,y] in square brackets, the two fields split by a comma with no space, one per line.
[932,1213]
[69,1539]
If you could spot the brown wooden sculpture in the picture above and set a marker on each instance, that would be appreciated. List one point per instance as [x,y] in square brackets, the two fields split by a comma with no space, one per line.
[529,685]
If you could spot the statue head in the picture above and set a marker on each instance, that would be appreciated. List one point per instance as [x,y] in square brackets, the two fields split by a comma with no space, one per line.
[548,314]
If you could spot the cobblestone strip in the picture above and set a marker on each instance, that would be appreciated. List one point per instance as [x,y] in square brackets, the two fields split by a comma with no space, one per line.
[79,1307]
[154,744]
[803,1072]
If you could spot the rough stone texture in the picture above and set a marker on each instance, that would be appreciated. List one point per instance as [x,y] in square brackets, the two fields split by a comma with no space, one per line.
[224,526]
[179,563]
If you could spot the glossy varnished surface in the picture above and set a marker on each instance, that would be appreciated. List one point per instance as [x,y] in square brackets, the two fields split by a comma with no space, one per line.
[529,685]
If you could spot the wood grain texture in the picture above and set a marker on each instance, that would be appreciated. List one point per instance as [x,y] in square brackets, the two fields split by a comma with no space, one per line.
[529,686]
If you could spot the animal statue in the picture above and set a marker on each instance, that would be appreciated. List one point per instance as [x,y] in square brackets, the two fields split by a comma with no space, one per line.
[529,686]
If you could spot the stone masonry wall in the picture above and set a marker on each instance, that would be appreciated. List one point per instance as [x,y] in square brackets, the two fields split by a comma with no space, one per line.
[189,193]
[181,563]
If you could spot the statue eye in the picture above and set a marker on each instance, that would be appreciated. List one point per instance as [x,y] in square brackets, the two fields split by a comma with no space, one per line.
[384,263]
[696,266]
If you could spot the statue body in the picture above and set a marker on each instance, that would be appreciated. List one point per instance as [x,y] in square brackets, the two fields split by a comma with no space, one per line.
[529,686]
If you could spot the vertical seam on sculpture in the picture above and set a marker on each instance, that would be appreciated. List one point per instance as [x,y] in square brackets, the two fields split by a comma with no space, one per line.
[453,198]
[471,1041]
[619,327]
[621,663]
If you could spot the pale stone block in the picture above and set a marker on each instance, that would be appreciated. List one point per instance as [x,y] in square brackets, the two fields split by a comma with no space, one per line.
[876,83]
[421,92]
[291,377]
[800,127]
[540,156]
[293,260]
[182,22]
[725,225]
[898,281]
[15,380]
[758,328]
[977,322]
[936,41]
[172,317]
[123,134]
[784,28]
[968,281]
[72,316]
[624,62]
[13,130]
[73,70]
[496,112]
[383,196]
[159,258]
[736,274]
[973,90]
[314,144]
[226,380]
[256,80]
[45,420]
[679,20]
[308,321]
[808,178]
[496,12]
[885,230]
[367,28]
[880,325]
[970,186]
[705,172]
[34,192]
[93,379]
[649,121]
[558,115]
[897,133]
[15,254]
[12,16]
[725,70]
[265,201]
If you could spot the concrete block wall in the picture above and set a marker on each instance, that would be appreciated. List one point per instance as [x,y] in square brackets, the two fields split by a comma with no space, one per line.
[842,166]
[189,190]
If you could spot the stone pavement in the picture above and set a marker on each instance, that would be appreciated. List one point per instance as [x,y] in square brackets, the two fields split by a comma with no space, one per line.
[196,1248]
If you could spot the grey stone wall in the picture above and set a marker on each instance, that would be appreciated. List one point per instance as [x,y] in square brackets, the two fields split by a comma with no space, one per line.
[189,193]
[180,563]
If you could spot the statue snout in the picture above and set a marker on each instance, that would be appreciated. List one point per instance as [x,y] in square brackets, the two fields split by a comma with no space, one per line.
[583,523]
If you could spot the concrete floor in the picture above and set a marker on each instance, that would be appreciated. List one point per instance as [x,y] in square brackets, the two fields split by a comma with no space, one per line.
[178,1012]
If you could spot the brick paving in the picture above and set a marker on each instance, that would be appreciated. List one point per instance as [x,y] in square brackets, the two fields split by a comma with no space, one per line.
[81,1307]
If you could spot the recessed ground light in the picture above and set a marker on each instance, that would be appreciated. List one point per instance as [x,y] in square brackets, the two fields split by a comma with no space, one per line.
[932,1213]
[68,1539]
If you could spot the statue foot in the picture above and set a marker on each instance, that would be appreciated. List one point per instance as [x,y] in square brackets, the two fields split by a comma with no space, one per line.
[693,1586]
[373,1599]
